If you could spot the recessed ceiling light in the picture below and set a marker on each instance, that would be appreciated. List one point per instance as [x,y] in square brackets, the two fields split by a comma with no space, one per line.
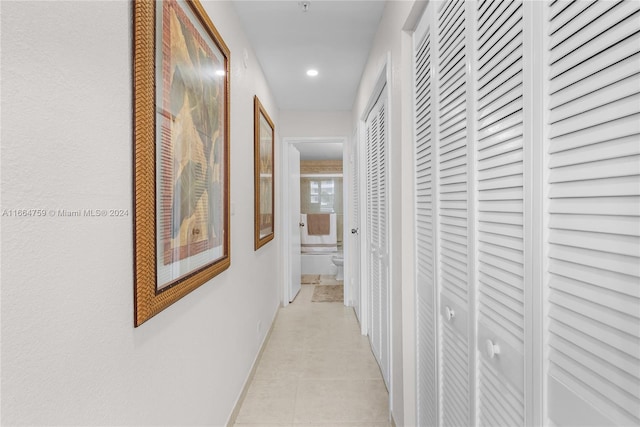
[312,73]
[220,73]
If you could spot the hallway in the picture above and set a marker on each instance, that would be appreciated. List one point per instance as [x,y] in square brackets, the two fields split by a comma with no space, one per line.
[316,369]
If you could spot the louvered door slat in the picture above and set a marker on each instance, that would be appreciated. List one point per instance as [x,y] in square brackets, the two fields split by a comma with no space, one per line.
[614,149]
[502,406]
[451,81]
[503,170]
[594,229]
[579,339]
[557,8]
[514,294]
[492,15]
[451,45]
[505,277]
[604,333]
[455,373]
[617,282]
[503,95]
[618,403]
[497,36]
[599,63]
[617,72]
[628,106]
[505,143]
[603,97]
[589,25]
[451,20]
[575,9]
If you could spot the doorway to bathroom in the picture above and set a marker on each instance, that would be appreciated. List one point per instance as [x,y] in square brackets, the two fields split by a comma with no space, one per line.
[314,199]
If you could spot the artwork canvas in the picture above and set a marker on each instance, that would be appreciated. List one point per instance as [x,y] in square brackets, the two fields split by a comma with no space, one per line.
[181,85]
[264,133]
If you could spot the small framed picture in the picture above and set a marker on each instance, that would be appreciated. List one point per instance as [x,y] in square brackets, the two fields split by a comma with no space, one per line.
[264,134]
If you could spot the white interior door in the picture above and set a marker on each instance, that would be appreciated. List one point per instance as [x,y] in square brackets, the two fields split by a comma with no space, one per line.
[294,222]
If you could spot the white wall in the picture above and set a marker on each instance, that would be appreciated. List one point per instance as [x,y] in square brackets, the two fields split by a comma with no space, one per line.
[390,38]
[70,353]
[315,124]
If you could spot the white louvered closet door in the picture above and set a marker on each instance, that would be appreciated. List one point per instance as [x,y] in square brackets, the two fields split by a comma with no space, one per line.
[594,206]
[383,250]
[372,233]
[456,353]
[376,137]
[354,251]
[426,307]
[500,180]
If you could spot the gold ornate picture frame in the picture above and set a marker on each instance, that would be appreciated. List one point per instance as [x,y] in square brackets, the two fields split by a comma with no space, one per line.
[181,152]
[263,140]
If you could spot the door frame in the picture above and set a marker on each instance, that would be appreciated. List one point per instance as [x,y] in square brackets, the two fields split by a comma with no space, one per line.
[285,218]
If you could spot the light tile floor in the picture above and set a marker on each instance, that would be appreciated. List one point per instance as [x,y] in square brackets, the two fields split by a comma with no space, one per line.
[316,370]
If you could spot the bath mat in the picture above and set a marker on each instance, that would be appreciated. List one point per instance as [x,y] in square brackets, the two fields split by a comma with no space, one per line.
[328,293]
[310,279]
[329,280]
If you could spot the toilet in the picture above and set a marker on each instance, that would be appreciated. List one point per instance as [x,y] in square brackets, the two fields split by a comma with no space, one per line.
[338,261]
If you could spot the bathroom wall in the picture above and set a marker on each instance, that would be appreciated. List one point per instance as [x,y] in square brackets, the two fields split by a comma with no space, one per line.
[321,190]
[70,354]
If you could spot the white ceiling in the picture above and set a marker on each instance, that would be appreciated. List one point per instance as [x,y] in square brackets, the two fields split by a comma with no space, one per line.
[333,37]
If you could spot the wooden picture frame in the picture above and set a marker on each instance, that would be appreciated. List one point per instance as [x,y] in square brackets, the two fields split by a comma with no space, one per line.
[263,142]
[181,152]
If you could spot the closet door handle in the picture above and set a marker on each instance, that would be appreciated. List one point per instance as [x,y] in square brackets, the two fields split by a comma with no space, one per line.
[492,349]
[355,230]
[301,224]
[450,313]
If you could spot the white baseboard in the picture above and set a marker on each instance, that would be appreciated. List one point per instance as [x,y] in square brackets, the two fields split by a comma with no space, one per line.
[243,393]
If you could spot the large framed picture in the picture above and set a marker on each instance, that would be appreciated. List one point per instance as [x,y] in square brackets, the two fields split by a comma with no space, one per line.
[181,157]
[263,140]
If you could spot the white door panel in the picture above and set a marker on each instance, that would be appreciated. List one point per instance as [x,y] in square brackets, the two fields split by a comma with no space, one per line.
[294,227]
[453,215]
[425,206]
[500,102]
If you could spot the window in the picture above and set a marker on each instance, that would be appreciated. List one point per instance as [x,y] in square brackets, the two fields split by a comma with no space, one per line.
[322,193]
